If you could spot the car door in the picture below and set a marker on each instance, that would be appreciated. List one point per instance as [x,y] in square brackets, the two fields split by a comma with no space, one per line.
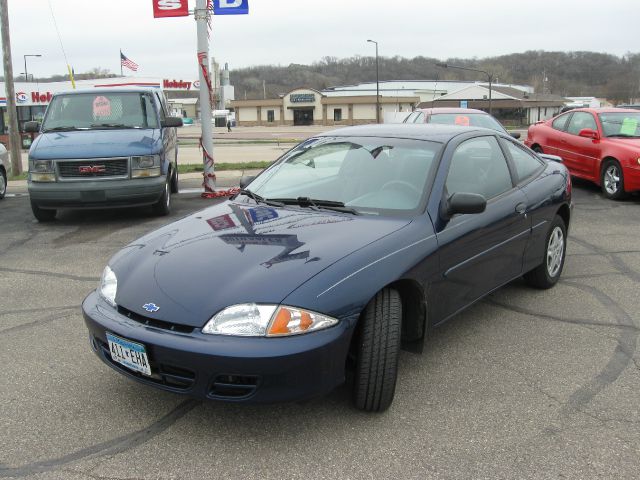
[580,154]
[479,252]
[555,134]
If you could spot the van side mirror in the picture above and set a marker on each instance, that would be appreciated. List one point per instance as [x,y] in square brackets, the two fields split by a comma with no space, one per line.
[32,127]
[246,180]
[171,122]
[589,133]
[464,203]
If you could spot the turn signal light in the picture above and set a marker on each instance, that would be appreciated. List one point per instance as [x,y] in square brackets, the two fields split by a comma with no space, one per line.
[292,321]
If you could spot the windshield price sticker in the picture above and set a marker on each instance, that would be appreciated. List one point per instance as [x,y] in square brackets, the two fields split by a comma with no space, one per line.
[101,107]
[629,127]
[130,354]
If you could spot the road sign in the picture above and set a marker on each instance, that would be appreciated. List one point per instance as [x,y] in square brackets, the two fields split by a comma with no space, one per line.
[230,7]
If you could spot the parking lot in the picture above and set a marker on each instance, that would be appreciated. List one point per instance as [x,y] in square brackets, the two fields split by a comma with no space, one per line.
[525,384]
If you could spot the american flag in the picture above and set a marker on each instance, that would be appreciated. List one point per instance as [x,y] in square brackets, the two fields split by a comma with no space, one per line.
[130,64]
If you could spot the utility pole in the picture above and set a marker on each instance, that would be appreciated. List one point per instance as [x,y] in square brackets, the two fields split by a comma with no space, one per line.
[203,16]
[14,135]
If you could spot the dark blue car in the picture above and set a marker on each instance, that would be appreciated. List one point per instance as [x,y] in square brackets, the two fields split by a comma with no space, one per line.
[351,246]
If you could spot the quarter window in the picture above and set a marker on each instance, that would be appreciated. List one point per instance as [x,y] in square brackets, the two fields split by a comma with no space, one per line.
[478,166]
[579,121]
[560,122]
[526,164]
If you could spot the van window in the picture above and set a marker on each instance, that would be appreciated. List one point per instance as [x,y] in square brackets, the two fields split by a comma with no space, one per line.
[101,110]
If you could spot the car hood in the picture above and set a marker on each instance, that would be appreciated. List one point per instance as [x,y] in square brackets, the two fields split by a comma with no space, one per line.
[96,144]
[236,253]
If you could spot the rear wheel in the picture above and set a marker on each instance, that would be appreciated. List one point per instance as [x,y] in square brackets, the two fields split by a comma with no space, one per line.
[378,349]
[612,180]
[547,274]
[163,206]
[3,183]
[41,214]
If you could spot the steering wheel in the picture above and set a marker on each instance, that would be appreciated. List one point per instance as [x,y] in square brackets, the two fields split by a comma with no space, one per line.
[401,185]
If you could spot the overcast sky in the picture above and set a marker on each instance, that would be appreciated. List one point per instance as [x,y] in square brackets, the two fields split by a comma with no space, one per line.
[301,31]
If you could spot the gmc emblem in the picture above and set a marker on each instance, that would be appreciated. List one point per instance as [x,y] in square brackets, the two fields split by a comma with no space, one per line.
[92,169]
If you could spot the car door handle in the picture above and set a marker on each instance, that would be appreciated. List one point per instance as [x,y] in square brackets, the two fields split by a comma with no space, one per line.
[521,208]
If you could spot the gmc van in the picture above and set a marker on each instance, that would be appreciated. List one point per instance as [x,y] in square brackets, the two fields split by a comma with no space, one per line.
[103,148]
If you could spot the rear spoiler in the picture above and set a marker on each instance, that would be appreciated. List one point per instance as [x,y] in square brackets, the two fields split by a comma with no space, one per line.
[550,158]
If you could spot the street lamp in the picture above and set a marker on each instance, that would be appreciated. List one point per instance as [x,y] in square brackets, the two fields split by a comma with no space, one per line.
[26,75]
[377,83]
[489,76]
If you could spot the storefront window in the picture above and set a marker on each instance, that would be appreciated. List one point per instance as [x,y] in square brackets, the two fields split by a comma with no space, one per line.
[270,116]
[337,114]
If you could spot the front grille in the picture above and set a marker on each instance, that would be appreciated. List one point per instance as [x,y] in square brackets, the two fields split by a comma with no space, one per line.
[94,168]
[233,386]
[152,322]
[161,374]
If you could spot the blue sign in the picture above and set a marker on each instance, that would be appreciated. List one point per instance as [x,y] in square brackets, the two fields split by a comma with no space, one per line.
[230,7]
[262,214]
[464,104]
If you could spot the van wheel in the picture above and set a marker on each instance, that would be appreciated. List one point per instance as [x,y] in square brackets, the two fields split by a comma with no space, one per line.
[41,214]
[163,206]
[174,181]
[378,349]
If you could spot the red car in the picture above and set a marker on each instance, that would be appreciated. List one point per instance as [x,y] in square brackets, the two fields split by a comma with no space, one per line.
[598,144]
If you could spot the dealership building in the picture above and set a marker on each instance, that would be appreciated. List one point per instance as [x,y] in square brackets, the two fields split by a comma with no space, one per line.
[356,104]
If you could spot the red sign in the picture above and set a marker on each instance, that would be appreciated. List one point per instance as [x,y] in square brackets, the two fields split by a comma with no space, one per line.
[176,84]
[101,107]
[37,97]
[170,8]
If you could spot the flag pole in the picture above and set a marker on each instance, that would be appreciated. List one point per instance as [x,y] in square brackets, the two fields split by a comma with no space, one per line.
[121,74]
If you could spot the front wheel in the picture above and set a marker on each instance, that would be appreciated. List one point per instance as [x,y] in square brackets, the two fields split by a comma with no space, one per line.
[547,274]
[41,214]
[612,180]
[163,206]
[3,183]
[378,349]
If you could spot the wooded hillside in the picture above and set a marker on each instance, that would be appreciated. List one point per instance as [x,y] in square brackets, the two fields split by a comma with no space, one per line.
[568,73]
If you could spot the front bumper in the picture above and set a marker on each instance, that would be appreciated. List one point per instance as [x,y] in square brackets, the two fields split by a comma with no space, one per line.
[631,178]
[97,193]
[255,369]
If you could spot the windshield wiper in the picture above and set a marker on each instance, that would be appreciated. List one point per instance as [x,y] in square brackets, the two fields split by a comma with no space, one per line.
[111,125]
[64,128]
[317,204]
[258,199]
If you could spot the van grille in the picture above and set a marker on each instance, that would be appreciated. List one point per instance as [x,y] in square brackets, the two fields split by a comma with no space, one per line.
[94,168]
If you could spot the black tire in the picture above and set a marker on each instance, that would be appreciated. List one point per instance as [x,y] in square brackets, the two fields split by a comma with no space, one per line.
[378,349]
[41,214]
[3,183]
[547,274]
[174,181]
[163,206]
[612,189]
[537,149]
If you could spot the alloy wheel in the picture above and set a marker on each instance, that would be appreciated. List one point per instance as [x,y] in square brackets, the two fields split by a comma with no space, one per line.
[555,251]
[612,179]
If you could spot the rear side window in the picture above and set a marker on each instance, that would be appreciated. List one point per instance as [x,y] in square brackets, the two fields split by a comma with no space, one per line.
[478,166]
[560,122]
[579,121]
[526,164]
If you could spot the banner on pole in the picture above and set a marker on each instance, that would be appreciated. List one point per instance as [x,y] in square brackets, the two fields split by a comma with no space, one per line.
[170,8]
[230,7]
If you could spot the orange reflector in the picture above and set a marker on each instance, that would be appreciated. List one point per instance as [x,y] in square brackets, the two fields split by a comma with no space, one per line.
[305,321]
[280,324]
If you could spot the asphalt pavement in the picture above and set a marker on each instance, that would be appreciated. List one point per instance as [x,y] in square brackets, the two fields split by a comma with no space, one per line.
[525,384]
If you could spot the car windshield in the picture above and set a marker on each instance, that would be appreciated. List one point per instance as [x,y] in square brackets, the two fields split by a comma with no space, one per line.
[81,111]
[623,124]
[363,175]
[467,119]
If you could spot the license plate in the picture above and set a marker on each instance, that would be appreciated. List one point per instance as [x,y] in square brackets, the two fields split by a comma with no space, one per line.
[130,354]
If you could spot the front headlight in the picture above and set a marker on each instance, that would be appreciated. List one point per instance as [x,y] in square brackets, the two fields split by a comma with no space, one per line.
[145,166]
[41,171]
[109,285]
[252,320]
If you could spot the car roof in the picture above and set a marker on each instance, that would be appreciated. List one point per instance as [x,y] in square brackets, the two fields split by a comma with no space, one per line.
[423,131]
[107,90]
[602,110]
[436,110]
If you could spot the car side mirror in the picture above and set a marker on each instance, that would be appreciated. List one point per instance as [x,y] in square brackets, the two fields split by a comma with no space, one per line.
[589,133]
[32,127]
[246,180]
[515,135]
[464,203]
[171,122]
